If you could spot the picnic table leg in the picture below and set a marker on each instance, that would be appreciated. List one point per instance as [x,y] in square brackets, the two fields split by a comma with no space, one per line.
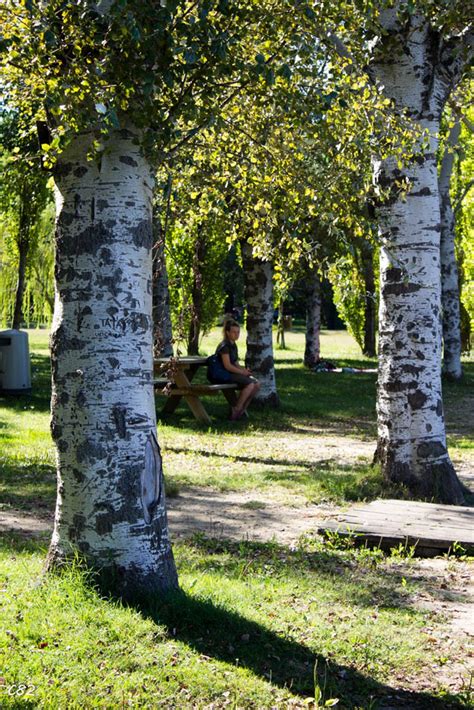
[197,408]
[173,400]
[170,404]
[183,379]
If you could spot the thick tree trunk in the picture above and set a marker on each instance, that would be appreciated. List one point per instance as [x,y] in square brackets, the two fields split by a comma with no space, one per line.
[162,329]
[196,294]
[111,500]
[370,311]
[312,351]
[23,244]
[449,269]
[258,288]
[411,429]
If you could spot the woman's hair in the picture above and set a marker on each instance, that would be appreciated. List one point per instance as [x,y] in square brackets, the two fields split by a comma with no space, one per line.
[228,324]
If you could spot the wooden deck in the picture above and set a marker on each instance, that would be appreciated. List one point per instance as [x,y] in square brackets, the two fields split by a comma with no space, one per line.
[433,529]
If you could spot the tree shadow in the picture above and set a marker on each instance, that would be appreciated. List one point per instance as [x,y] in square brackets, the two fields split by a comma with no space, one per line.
[352,482]
[227,636]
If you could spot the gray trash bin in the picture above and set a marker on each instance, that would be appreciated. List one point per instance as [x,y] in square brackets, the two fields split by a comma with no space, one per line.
[15,371]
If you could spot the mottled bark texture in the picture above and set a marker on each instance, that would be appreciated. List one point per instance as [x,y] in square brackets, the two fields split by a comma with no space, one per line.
[111,503]
[370,310]
[449,269]
[258,289]
[162,329]
[312,287]
[414,67]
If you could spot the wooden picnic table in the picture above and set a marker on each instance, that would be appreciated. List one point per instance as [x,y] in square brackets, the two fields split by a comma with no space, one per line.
[173,379]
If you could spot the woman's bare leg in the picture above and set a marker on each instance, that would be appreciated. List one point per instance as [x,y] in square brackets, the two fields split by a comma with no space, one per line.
[245,397]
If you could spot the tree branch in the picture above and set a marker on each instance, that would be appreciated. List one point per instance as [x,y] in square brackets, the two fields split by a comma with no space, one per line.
[461,198]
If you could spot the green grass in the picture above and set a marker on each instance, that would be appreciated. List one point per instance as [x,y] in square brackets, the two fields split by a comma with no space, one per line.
[251,621]
[303,449]
[246,630]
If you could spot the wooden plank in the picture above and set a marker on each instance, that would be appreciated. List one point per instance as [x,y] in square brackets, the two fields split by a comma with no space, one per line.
[416,508]
[442,535]
[413,504]
[383,537]
[461,523]
[409,524]
[429,511]
[193,390]
[427,525]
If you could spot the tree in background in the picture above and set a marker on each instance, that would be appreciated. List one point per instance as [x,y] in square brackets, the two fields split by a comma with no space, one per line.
[162,328]
[24,196]
[450,296]
[462,185]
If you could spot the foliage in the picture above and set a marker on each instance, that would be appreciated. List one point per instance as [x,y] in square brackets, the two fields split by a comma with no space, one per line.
[349,294]
[25,224]
[463,202]
[186,261]
[167,66]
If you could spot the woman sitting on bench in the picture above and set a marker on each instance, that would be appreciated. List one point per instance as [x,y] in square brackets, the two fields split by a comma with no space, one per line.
[229,358]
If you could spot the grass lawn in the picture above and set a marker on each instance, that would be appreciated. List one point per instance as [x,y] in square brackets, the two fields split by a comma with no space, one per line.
[255,625]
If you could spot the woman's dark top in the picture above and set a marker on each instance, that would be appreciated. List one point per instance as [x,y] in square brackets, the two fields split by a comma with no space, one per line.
[231,349]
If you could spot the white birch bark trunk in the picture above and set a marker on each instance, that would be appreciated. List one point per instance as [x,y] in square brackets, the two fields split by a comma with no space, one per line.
[111,501]
[258,289]
[312,350]
[411,429]
[162,328]
[452,367]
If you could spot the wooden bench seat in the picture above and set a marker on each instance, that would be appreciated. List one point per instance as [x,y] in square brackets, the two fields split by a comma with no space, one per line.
[178,385]
[192,389]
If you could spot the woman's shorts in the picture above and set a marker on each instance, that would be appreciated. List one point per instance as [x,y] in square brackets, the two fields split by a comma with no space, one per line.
[243,380]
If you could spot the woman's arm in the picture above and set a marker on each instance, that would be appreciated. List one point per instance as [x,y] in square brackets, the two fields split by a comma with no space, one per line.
[233,367]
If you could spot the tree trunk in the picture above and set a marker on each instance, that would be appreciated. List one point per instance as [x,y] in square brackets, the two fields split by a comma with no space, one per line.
[111,501]
[411,429]
[281,325]
[23,245]
[162,329]
[312,351]
[449,269]
[196,294]
[370,315]
[258,288]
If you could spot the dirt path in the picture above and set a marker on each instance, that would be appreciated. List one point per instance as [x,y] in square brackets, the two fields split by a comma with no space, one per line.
[234,516]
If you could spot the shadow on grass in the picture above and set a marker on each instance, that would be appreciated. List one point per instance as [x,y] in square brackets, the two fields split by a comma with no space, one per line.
[220,633]
[342,482]
[306,397]
[227,636]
